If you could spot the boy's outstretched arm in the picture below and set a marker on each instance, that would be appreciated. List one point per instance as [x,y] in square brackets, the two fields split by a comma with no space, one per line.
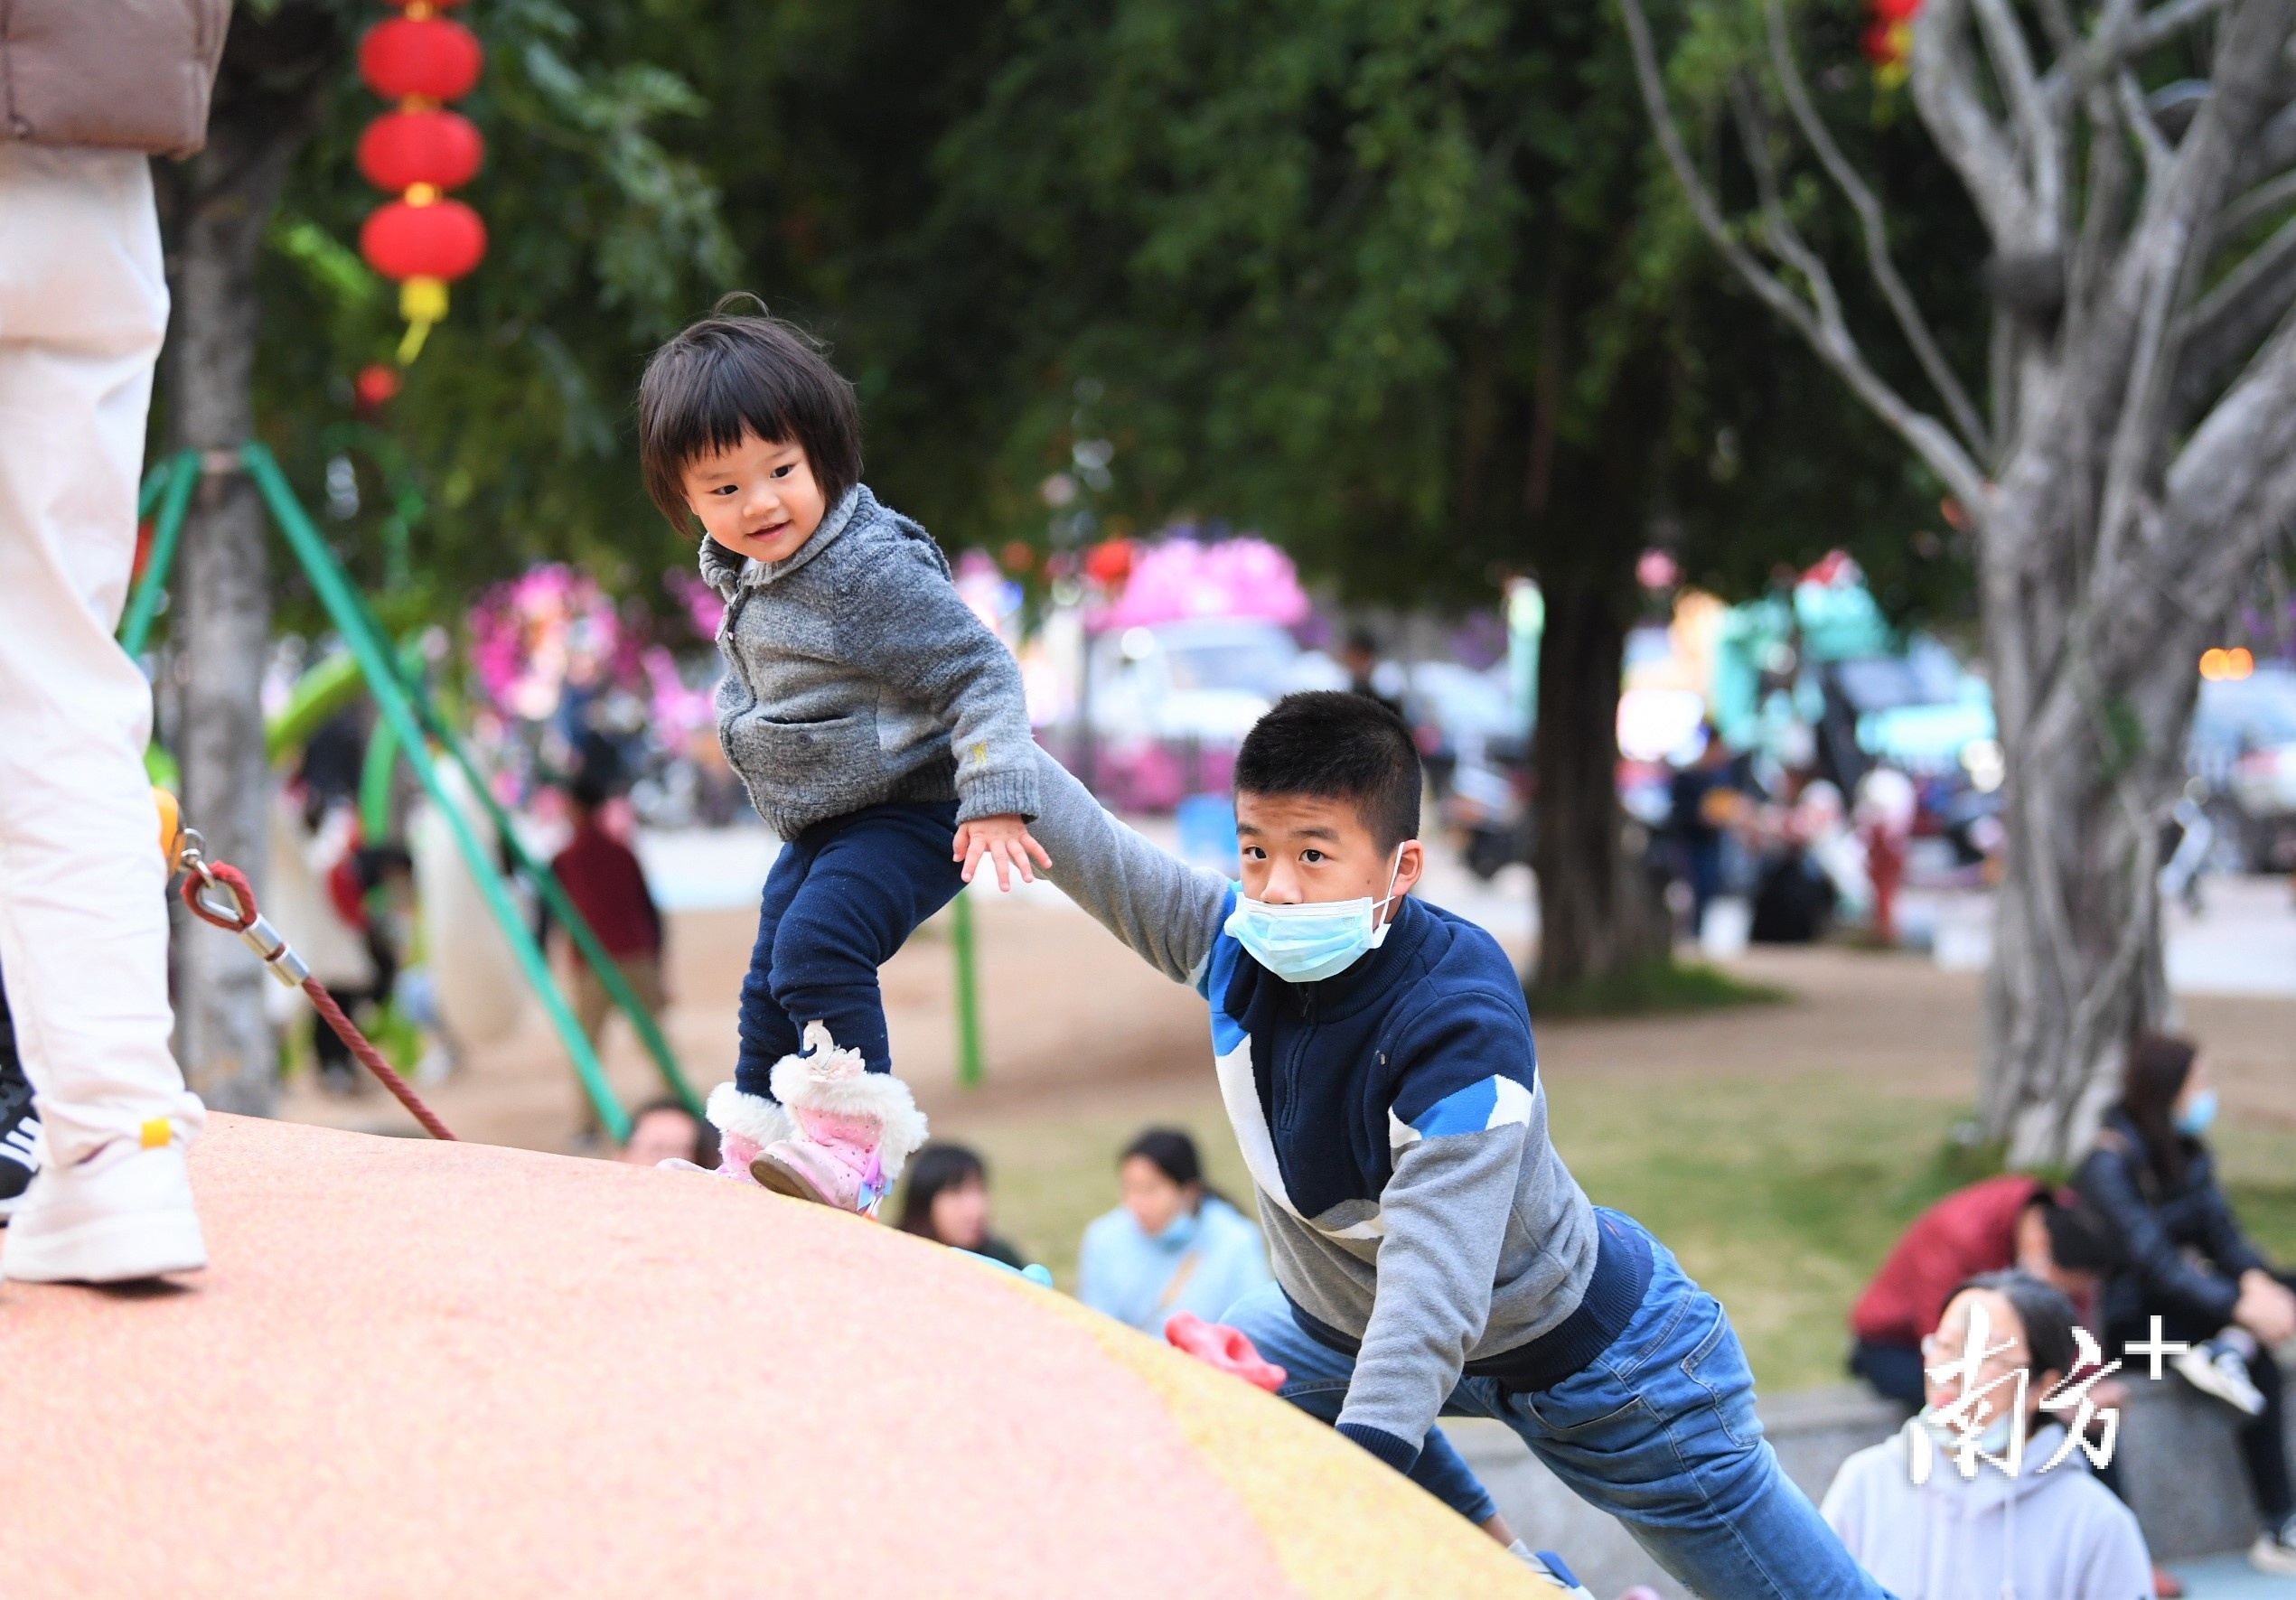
[1167,911]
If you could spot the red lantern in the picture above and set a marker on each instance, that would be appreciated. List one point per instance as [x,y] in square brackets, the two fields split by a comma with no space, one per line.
[428,57]
[442,240]
[423,241]
[402,148]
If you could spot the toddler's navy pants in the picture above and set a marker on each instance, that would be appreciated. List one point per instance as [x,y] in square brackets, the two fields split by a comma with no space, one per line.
[842,897]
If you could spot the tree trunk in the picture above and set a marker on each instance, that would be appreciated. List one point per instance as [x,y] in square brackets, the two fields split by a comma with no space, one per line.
[222,203]
[2095,733]
[1596,905]
[2118,507]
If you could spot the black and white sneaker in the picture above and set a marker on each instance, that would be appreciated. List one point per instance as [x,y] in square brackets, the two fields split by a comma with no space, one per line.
[19,1125]
[2275,1552]
[19,1143]
[2215,1368]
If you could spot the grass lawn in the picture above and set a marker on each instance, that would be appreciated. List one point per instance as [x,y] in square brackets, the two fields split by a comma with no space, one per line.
[1780,1195]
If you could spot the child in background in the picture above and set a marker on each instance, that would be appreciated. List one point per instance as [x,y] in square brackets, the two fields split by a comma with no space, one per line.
[601,876]
[879,726]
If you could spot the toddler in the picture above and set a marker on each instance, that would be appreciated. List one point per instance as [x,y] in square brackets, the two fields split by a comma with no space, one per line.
[879,726]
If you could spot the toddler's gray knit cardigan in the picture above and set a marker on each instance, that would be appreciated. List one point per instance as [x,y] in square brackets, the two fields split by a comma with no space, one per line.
[857,676]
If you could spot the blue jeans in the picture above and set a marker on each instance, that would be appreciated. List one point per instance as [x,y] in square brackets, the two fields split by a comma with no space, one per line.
[843,896]
[1659,1431]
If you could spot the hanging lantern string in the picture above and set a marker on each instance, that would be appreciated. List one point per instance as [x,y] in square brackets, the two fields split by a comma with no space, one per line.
[422,241]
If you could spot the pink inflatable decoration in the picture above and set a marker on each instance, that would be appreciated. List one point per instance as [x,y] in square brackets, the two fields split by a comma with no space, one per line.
[1182,577]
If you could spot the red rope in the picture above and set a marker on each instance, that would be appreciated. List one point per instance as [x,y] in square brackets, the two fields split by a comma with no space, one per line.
[241,890]
[231,878]
[348,1032]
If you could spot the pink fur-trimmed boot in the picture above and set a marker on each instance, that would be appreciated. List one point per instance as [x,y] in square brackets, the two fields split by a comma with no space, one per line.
[855,1129]
[746,1123]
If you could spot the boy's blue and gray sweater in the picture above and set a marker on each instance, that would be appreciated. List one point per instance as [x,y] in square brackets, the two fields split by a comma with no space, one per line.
[1393,1119]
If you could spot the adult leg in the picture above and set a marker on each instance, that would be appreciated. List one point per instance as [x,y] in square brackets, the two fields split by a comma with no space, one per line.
[83,923]
[586,997]
[874,877]
[644,975]
[1660,1431]
[2263,1443]
[19,1118]
[1316,1379]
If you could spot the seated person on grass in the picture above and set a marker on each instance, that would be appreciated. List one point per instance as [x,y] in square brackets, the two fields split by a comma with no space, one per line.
[1433,1254]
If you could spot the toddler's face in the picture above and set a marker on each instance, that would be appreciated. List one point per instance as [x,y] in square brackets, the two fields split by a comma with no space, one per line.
[758,499]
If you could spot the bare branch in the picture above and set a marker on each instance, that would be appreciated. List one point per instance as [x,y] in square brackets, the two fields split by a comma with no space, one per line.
[2233,316]
[1870,221]
[2056,22]
[1928,438]
[2108,195]
[1777,224]
[1944,89]
[2262,200]
[2139,117]
[2012,60]
[2130,463]
[2228,494]
[2121,36]
[2273,147]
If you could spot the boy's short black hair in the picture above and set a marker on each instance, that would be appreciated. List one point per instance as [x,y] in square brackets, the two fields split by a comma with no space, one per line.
[732,371]
[1336,745]
[2080,1239]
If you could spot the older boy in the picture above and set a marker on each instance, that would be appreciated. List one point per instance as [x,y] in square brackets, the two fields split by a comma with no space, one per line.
[1433,1254]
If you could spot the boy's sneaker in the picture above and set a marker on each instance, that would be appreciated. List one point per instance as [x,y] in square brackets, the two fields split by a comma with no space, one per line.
[1548,1568]
[123,1214]
[2275,1552]
[855,1129]
[19,1144]
[2217,1370]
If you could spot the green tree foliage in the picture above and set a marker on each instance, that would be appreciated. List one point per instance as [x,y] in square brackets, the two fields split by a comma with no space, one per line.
[511,432]
[1399,283]
[1370,275]
[1395,280]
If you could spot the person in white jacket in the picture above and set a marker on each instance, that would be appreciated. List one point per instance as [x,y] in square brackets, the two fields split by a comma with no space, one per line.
[2057,1534]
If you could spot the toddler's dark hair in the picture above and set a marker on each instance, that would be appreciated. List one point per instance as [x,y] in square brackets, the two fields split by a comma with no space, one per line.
[731,371]
[1333,745]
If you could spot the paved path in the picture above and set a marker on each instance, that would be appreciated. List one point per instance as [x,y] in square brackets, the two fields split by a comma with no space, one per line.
[2230,1578]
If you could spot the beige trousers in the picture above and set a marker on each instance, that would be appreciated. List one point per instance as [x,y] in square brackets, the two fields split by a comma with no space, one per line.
[83,924]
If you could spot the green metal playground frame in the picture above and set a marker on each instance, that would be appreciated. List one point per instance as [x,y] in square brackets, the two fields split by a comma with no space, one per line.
[410,725]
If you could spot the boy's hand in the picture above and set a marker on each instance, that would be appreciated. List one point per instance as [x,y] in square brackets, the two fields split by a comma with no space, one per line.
[1006,841]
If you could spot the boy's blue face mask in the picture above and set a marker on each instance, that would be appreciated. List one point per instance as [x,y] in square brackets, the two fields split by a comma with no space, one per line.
[2198,1113]
[1318,939]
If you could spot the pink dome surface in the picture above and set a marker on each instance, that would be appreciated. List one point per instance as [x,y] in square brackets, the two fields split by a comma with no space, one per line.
[430,1370]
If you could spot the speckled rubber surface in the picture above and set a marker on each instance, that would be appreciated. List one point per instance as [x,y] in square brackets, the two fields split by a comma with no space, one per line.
[416,1369]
